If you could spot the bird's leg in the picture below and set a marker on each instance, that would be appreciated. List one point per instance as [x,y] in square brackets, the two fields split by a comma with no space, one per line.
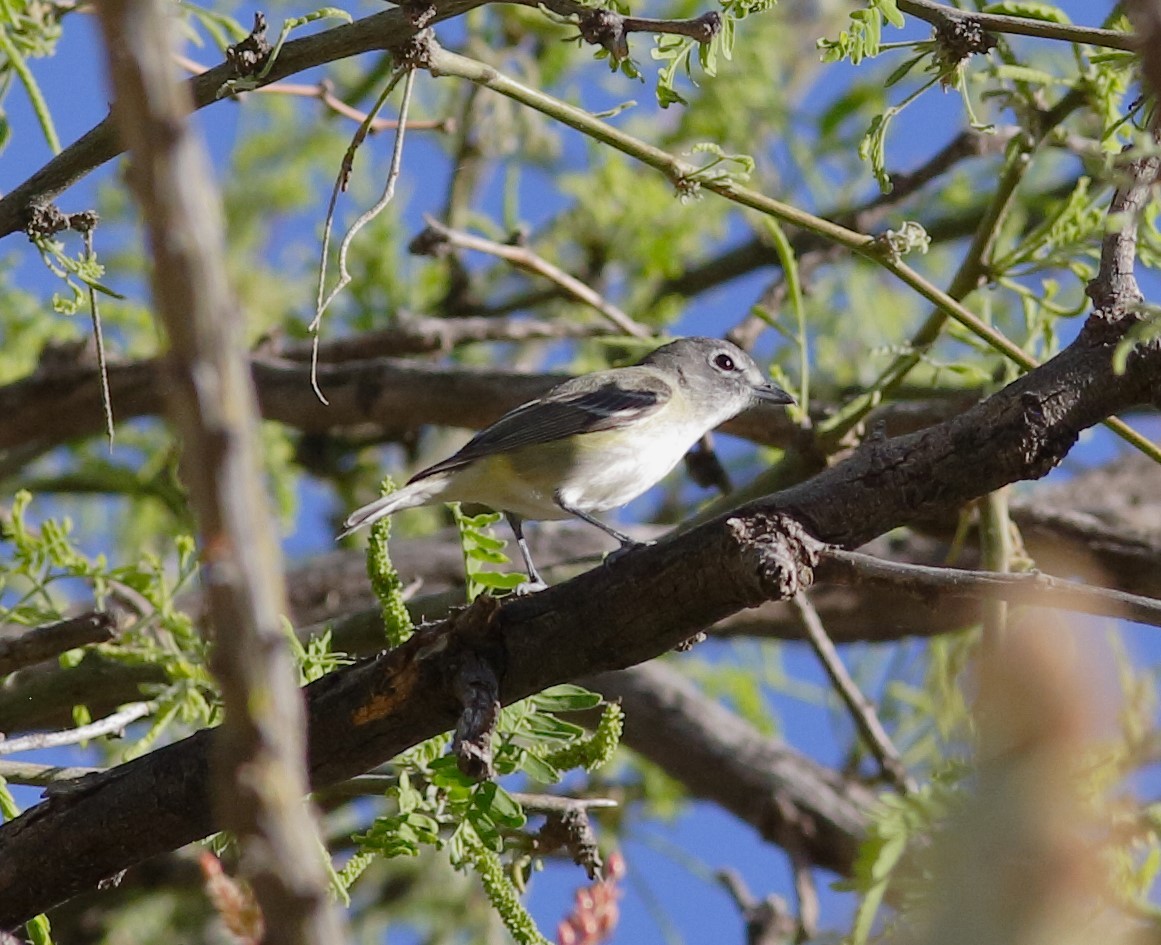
[535,582]
[627,543]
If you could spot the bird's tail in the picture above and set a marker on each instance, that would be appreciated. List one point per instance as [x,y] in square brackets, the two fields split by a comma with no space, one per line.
[411,495]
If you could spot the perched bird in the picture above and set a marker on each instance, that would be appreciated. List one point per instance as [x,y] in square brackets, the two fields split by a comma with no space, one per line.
[592,443]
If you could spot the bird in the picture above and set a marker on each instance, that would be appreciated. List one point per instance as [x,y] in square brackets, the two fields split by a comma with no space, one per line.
[592,443]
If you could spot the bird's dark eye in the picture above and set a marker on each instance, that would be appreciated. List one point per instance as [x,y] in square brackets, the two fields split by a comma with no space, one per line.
[725,362]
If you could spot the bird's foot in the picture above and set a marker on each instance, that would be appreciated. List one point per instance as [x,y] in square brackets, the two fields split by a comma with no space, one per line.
[529,587]
[614,556]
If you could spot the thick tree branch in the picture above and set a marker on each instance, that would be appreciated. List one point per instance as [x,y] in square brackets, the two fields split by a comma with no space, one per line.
[1103,526]
[51,407]
[608,618]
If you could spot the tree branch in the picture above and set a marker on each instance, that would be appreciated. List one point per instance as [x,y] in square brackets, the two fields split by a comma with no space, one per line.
[1031,588]
[381,31]
[32,645]
[612,617]
[387,394]
[437,237]
[862,710]
[259,750]
[110,725]
[939,15]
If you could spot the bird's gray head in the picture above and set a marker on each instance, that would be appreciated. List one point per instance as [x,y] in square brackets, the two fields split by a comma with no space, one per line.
[718,372]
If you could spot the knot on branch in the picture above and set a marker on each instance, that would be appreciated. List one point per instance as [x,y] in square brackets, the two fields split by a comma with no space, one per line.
[778,551]
[605,28]
[419,13]
[417,52]
[570,829]
[46,219]
[960,38]
[430,241]
[475,680]
[705,27]
[248,57]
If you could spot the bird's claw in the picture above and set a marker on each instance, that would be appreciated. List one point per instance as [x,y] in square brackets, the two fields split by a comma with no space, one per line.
[529,587]
[616,555]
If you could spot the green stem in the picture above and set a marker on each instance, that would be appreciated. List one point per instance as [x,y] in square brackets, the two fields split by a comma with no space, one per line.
[685,178]
[39,105]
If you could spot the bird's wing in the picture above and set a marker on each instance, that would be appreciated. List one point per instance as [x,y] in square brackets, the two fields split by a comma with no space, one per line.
[586,404]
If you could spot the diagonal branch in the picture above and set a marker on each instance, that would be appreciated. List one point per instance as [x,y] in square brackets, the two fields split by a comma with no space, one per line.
[437,237]
[381,31]
[608,618]
[110,725]
[861,708]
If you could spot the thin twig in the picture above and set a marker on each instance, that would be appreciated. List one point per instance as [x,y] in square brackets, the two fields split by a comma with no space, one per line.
[110,725]
[99,339]
[862,711]
[523,258]
[1028,587]
[324,93]
[555,804]
[768,922]
[610,29]
[340,184]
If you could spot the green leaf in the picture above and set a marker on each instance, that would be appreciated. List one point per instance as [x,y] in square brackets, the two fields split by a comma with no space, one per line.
[549,726]
[566,698]
[501,806]
[540,770]
[1029,10]
[904,68]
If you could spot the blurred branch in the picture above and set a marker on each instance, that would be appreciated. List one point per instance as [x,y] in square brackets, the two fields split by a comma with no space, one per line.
[420,334]
[259,751]
[110,725]
[437,237]
[35,775]
[32,645]
[769,921]
[861,708]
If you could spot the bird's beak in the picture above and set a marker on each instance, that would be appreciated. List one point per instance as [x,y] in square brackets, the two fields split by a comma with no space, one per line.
[772,394]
